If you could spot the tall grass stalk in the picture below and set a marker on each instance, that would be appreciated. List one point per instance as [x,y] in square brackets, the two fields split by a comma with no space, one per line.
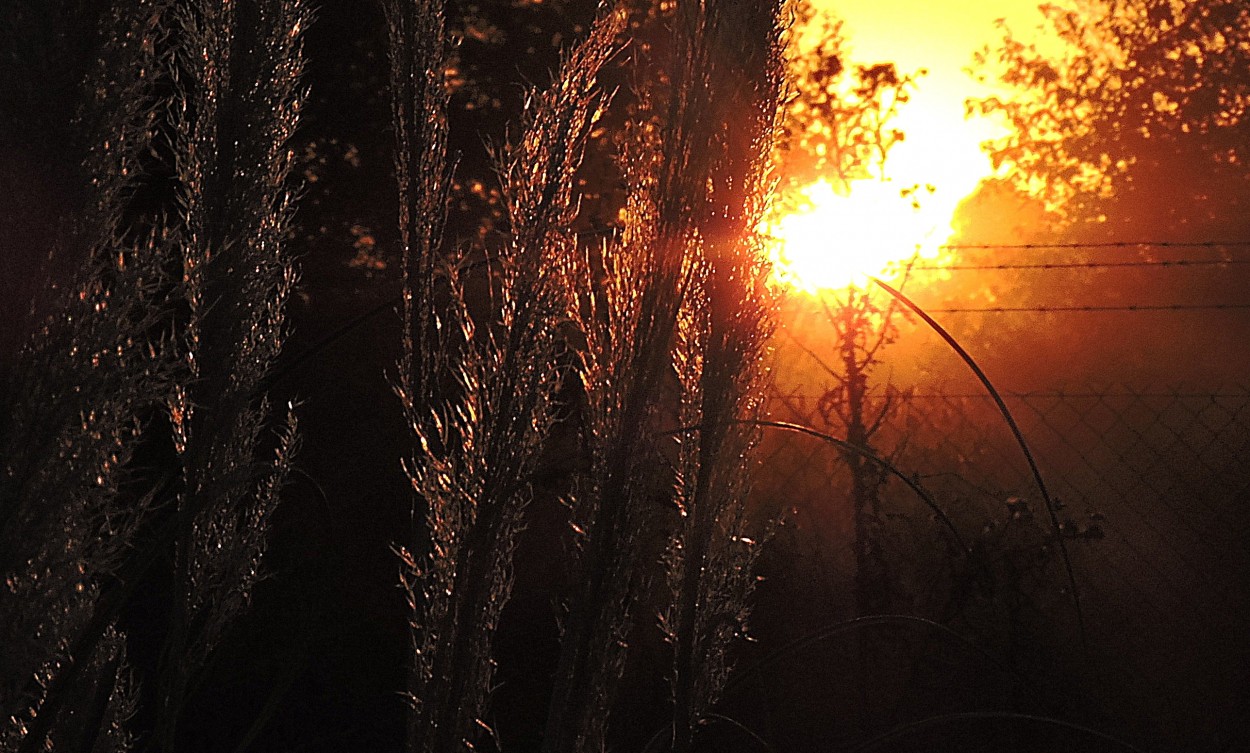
[238,103]
[480,440]
[78,405]
[733,51]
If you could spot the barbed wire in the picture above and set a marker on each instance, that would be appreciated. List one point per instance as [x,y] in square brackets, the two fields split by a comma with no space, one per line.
[1092,245]
[1052,394]
[1089,309]
[1169,263]
[611,228]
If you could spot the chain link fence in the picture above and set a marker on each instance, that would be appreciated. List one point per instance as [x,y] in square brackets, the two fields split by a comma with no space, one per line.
[1153,495]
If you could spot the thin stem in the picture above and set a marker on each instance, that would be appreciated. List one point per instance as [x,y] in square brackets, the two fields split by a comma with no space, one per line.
[868,455]
[1024,446]
[946,720]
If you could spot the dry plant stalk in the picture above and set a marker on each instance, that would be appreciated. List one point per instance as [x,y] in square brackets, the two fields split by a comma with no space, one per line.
[480,438]
[77,408]
[236,113]
[80,528]
[735,55]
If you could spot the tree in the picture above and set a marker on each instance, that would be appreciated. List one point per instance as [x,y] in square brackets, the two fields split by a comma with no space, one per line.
[838,123]
[839,127]
[1138,122]
[1131,125]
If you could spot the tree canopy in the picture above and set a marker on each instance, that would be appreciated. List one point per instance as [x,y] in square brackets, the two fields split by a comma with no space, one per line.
[1137,121]
[1126,124]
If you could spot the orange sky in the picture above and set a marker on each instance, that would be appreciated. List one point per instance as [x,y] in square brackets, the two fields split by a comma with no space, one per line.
[941,148]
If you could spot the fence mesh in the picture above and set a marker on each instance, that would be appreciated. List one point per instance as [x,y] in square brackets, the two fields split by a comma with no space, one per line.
[1153,492]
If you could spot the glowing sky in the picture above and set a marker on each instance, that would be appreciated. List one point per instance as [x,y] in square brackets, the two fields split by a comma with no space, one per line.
[941,148]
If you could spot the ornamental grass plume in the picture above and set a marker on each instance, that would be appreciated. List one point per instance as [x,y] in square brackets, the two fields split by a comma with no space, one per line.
[479,387]
[163,350]
[77,405]
[629,297]
[417,52]
[627,319]
[238,103]
[735,55]
[680,291]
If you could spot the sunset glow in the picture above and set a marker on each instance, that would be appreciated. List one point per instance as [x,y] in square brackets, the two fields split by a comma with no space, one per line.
[834,240]
[834,236]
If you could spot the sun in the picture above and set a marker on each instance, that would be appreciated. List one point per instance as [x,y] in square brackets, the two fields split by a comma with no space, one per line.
[832,239]
[832,233]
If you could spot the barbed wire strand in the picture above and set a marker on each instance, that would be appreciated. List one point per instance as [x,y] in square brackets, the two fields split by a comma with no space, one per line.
[1057,395]
[1090,245]
[1090,309]
[1043,266]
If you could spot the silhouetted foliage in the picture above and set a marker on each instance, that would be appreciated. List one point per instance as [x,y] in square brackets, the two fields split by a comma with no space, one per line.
[1128,124]
[838,123]
[1137,120]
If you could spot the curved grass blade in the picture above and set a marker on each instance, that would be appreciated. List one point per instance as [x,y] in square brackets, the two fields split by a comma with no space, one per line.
[873,620]
[1015,429]
[868,455]
[745,730]
[945,720]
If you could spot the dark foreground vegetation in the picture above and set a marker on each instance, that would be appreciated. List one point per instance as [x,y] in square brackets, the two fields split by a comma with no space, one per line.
[390,377]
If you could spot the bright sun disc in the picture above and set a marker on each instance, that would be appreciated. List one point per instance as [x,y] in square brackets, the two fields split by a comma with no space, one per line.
[835,240]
